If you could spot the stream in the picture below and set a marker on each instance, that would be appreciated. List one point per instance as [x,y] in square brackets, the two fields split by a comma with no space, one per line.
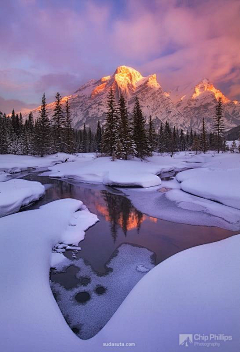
[116,253]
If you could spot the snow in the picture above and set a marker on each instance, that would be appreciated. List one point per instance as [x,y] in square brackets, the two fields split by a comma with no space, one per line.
[131,180]
[30,317]
[196,291]
[16,163]
[214,180]
[221,185]
[175,205]
[119,172]
[15,194]
[3,176]
[192,203]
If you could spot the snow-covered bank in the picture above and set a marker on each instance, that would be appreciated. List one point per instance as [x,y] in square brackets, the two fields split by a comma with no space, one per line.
[16,163]
[15,194]
[213,179]
[196,291]
[30,317]
[217,182]
[168,202]
[119,172]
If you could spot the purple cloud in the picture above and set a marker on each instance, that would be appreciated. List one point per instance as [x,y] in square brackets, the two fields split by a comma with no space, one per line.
[58,45]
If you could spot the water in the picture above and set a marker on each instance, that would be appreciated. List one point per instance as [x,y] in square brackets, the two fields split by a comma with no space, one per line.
[115,254]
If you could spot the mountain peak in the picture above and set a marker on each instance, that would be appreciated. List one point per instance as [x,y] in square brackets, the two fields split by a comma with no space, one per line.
[206,86]
[126,70]
[127,74]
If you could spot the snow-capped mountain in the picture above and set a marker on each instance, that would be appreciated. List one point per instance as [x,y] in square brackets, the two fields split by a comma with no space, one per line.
[88,103]
[200,102]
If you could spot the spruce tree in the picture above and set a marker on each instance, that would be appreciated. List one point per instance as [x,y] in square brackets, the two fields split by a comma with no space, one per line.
[167,137]
[3,134]
[58,124]
[90,140]
[111,131]
[196,143]
[125,138]
[151,136]
[68,131]
[139,132]
[85,140]
[191,137]
[161,139]
[187,140]
[173,144]
[182,141]
[98,138]
[218,124]
[43,127]
[203,139]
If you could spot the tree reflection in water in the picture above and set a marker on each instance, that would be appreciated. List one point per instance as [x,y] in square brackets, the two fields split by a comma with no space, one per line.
[121,214]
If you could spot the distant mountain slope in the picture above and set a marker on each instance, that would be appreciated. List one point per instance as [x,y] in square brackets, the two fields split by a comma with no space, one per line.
[201,102]
[88,103]
[233,134]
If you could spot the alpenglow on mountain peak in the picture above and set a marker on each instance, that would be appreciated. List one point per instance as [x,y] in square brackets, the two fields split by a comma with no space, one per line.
[206,86]
[89,103]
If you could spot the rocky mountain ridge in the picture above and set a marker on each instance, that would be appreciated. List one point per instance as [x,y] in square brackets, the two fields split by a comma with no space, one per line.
[88,103]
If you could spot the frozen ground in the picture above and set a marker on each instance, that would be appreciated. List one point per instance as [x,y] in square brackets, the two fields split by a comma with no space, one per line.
[15,194]
[196,291]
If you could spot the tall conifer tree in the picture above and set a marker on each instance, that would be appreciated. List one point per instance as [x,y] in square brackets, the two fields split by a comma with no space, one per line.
[218,124]
[139,132]
[58,124]
[111,131]
[126,141]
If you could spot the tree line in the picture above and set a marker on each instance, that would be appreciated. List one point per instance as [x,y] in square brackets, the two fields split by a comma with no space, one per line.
[128,135]
[123,135]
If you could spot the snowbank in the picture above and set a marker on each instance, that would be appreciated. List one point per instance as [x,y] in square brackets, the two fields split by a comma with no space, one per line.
[16,163]
[119,172]
[196,291]
[17,193]
[30,317]
[131,180]
[169,203]
[221,185]
[3,176]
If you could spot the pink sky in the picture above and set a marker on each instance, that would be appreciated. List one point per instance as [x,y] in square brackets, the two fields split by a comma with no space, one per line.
[57,45]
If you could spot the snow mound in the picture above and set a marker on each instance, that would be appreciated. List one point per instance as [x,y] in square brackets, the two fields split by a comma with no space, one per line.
[178,206]
[189,202]
[17,193]
[196,291]
[131,180]
[16,163]
[215,184]
[119,172]
[30,318]
[3,176]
